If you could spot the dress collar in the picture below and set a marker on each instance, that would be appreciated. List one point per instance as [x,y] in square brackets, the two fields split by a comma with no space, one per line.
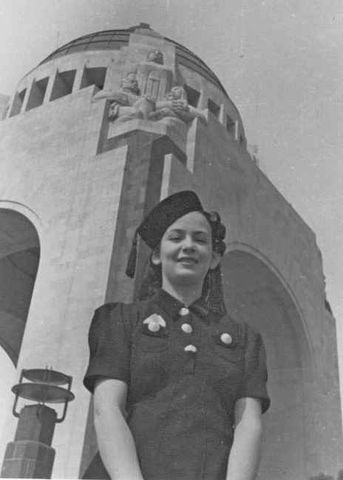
[171,305]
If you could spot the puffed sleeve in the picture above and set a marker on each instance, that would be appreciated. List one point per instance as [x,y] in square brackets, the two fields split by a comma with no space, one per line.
[255,375]
[109,344]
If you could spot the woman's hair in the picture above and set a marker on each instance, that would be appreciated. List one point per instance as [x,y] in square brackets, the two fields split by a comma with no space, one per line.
[152,278]
[218,230]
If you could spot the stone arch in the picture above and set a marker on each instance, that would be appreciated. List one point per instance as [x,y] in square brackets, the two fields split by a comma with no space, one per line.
[256,293]
[19,259]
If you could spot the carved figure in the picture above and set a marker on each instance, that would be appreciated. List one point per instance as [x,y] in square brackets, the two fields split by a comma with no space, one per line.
[175,105]
[155,56]
[154,78]
[127,102]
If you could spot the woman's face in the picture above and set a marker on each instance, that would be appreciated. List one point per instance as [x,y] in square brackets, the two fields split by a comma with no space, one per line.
[185,253]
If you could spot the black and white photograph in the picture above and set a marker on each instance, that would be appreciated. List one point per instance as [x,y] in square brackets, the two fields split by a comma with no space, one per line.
[171,255]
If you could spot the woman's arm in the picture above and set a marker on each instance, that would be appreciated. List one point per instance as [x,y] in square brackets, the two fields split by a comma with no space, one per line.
[116,445]
[245,453]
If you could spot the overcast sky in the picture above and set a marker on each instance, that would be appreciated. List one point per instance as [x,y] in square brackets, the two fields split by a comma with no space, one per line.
[279,60]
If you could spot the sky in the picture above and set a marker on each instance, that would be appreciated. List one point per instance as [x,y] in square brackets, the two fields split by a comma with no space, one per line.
[280,61]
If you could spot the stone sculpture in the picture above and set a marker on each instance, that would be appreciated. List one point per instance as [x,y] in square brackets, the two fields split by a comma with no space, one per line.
[130,102]
[175,105]
[154,78]
[127,102]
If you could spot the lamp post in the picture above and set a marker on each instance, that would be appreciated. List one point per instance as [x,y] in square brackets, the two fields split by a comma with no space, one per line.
[30,455]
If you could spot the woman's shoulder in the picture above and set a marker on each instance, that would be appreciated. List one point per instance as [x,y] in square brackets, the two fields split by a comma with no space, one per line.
[253,343]
[128,313]
[122,306]
[247,334]
[113,319]
[114,309]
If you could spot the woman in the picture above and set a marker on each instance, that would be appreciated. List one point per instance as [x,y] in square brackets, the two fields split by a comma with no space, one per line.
[179,386]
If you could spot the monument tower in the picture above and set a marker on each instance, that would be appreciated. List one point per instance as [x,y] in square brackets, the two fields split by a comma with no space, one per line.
[93,137]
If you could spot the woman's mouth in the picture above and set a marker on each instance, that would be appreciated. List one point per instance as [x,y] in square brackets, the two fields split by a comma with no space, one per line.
[187,260]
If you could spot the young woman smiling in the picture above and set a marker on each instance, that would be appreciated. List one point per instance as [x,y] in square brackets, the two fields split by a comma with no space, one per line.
[179,386]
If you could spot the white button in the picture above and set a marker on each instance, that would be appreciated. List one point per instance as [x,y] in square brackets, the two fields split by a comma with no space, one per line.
[191,348]
[184,311]
[187,328]
[226,338]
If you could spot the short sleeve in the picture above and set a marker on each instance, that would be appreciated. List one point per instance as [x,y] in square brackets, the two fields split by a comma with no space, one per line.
[109,344]
[255,376]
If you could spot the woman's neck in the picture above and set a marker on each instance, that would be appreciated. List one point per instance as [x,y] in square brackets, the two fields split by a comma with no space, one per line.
[186,294]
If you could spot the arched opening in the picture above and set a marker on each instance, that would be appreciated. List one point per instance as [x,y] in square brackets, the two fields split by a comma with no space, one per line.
[19,258]
[256,295]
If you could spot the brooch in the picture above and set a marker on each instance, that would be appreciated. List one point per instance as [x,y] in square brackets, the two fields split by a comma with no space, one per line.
[155,322]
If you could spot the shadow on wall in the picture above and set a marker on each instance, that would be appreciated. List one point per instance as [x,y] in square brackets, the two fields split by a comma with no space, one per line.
[19,259]
[255,295]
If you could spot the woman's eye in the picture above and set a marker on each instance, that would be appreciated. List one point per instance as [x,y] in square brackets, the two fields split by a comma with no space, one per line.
[175,238]
[202,240]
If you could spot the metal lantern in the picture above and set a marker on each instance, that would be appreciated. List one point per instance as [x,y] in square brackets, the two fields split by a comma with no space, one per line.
[44,387]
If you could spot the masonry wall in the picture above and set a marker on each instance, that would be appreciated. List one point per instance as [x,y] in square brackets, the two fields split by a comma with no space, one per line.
[51,168]
[261,222]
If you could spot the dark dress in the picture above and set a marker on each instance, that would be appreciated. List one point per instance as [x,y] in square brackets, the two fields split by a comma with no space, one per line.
[185,369]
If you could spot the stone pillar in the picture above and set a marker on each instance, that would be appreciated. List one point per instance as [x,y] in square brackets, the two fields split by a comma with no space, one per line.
[147,145]
[30,455]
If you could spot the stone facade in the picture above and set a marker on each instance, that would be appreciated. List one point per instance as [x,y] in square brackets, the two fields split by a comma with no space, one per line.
[81,182]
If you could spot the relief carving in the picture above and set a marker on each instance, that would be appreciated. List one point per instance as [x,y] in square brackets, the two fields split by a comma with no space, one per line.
[147,93]
[154,78]
[175,105]
[127,102]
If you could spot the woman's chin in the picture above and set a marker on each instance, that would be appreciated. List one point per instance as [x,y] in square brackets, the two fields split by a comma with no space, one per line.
[187,276]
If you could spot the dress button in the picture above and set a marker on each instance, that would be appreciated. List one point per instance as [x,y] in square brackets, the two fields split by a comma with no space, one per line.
[183,311]
[226,338]
[187,328]
[191,348]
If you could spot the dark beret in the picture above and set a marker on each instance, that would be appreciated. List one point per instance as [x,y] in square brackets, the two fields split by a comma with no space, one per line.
[165,214]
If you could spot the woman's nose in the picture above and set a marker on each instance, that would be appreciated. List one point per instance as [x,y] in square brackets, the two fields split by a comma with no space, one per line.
[188,243]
